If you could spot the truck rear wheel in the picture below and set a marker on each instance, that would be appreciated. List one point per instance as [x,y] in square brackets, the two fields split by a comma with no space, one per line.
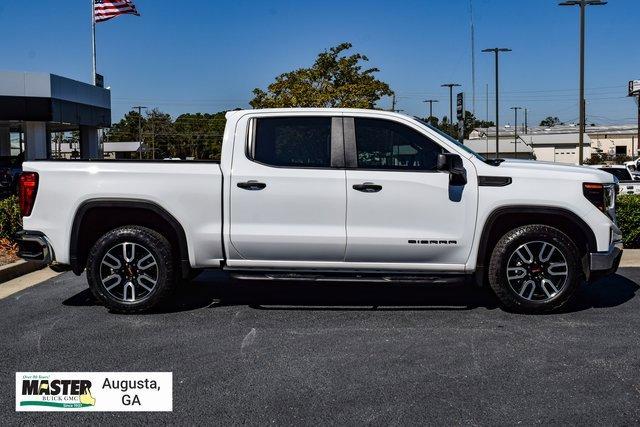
[535,269]
[130,269]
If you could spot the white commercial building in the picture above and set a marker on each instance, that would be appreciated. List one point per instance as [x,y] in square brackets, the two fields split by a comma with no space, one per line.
[558,143]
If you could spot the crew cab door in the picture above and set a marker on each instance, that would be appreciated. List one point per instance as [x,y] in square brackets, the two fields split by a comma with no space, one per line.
[287,191]
[400,209]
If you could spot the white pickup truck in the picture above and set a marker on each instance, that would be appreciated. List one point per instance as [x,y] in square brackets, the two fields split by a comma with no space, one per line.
[324,194]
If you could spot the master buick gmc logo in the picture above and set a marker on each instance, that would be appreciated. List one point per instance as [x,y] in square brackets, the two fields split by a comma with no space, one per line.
[68,393]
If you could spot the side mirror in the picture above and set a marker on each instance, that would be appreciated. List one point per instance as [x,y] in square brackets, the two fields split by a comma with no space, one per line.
[452,163]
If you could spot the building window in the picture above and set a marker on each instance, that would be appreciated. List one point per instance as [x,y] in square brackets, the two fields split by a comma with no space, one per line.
[621,150]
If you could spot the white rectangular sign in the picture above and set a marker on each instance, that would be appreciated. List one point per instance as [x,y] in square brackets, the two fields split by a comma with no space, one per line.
[94,391]
[634,87]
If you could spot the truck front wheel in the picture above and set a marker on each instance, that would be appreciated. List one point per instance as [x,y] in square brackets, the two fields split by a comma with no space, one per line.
[535,269]
[130,269]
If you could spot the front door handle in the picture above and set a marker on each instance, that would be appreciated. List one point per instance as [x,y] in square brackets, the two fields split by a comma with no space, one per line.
[367,187]
[252,185]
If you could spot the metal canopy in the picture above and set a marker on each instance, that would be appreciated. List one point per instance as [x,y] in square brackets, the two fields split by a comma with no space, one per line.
[41,97]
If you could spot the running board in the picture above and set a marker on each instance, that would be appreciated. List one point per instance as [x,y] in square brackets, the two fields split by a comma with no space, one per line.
[365,278]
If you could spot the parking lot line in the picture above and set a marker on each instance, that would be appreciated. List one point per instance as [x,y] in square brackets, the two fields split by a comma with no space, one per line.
[23,282]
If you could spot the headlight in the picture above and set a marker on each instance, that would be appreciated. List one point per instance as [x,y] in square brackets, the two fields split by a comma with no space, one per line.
[602,196]
[610,196]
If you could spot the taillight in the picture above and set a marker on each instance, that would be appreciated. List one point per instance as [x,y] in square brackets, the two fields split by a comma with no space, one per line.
[27,190]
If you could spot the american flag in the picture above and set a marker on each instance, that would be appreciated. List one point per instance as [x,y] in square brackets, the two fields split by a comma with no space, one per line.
[105,9]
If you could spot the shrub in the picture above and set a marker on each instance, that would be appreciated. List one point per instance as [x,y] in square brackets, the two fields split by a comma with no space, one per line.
[10,217]
[628,216]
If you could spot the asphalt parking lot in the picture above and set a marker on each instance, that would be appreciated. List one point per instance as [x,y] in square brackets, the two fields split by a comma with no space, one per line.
[298,353]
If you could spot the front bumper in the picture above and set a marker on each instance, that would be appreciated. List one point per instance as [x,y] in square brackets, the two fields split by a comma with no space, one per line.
[34,246]
[604,263]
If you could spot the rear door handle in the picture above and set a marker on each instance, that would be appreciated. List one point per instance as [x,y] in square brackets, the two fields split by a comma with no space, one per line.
[367,187]
[252,185]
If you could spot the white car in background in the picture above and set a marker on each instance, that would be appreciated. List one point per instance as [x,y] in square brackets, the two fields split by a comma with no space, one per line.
[626,181]
[634,170]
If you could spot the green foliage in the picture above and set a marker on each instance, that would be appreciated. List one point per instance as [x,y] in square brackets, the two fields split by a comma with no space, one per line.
[10,217]
[334,80]
[196,136]
[604,158]
[470,123]
[628,216]
[201,134]
[550,122]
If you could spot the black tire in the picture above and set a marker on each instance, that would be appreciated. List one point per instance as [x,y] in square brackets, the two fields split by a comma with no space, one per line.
[135,263]
[532,292]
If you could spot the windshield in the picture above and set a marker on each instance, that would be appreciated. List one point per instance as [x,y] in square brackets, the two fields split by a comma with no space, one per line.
[451,139]
[621,174]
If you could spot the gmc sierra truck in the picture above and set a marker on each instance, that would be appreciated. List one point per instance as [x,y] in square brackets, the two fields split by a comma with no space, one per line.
[324,195]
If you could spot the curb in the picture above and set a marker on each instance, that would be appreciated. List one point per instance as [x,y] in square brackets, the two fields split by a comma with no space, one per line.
[18,268]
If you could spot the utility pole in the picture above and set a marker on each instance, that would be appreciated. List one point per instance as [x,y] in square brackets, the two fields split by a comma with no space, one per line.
[430,101]
[450,86]
[496,51]
[582,104]
[526,122]
[635,94]
[515,132]
[473,61]
[487,117]
[393,102]
[139,108]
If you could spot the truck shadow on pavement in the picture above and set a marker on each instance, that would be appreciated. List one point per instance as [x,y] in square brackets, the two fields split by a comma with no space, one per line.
[215,289]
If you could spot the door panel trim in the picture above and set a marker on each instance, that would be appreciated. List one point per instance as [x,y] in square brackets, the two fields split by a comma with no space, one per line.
[350,149]
[337,143]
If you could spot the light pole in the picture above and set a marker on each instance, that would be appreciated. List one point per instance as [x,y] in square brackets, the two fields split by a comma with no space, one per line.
[430,101]
[496,51]
[515,132]
[139,108]
[583,5]
[450,86]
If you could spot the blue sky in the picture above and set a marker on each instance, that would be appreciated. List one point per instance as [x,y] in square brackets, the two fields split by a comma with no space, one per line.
[207,56]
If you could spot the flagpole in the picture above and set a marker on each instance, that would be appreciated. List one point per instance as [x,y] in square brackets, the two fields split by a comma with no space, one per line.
[93,40]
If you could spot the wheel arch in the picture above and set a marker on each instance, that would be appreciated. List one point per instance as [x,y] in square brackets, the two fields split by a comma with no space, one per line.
[507,218]
[95,217]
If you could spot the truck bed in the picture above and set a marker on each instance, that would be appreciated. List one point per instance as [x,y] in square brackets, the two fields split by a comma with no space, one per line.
[189,191]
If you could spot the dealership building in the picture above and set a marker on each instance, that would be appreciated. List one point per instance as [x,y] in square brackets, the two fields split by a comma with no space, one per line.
[35,106]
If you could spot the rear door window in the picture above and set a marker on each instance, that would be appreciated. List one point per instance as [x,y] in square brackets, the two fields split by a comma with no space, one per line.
[293,141]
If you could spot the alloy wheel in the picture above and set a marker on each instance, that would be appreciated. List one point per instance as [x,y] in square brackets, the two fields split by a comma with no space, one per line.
[537,271]
[129,272]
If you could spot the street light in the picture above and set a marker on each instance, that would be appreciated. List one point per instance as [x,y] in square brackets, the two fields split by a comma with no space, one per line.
[430,101]
[515,132]
[583,5]
[496,51]
[450,86]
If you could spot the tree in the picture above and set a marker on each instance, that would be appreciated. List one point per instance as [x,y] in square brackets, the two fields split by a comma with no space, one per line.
[550,122]
[201,134]
[470,123]
[334,80]
[126,129]
[196,136]
[158,134]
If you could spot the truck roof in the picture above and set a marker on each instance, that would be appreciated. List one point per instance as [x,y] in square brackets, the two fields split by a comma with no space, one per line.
[314,110]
